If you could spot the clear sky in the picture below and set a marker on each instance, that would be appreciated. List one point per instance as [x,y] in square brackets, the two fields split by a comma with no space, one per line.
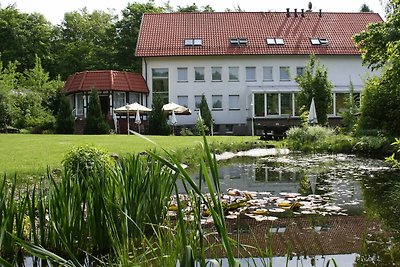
[54,10]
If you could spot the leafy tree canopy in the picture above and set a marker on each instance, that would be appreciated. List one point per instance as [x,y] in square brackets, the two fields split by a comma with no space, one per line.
[315,84]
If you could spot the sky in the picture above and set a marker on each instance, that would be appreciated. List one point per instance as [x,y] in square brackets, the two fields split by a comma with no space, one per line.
[54,10]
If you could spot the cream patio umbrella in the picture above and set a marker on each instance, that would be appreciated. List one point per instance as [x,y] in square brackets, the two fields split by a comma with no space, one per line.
[178,109]
[138,121]
[132,109]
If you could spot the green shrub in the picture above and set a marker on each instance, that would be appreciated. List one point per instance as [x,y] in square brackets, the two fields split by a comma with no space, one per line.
[84,159]
[308,138]
[372,145]
[186,132]
[95,122]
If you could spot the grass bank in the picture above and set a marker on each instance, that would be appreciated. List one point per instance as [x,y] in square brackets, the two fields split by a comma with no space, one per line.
[31,154]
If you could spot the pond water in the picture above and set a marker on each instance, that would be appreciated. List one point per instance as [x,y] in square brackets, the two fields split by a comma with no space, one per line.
[339,182]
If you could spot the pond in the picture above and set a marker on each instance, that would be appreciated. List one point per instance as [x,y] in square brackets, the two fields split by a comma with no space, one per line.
[331,221]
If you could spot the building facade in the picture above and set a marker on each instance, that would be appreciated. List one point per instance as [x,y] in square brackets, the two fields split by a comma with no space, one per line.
[246,63]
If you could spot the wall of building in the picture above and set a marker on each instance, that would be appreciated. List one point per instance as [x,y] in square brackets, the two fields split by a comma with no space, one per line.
[341,70]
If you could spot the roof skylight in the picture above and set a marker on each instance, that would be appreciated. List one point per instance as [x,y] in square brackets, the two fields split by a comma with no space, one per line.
[275,41]
[193,42]
[319,41]
[238,41]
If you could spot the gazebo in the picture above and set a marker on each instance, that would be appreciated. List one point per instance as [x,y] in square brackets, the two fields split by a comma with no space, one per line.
[115,88]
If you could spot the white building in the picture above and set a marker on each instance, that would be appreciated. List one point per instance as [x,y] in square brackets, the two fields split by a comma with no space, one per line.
[245,62]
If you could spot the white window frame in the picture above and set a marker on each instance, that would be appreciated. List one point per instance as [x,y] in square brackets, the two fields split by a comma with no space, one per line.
[237,74]
[182,74]
[265,68]
[251,71]
[234,102]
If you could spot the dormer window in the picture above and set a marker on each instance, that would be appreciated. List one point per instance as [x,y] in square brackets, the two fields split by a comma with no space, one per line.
[275,41]
[193,42]
[319,41]
[238,41]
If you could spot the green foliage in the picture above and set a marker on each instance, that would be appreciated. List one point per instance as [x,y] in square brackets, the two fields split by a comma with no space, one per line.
[128,32]
[365,8]
[158,119]
[95,121]
[315,84]
[186,132]
[195,8]
[394,158]
[308,138]
[65,121]
[199,126]
[380,49]
[350,115]
[85,159]
[205,115]
[5,113]
[379,106]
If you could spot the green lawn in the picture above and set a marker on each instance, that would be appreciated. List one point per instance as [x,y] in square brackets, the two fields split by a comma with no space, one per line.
[31,154]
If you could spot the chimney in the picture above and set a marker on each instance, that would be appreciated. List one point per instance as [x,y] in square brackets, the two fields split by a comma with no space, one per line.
[287,12]
[295,12]
[320,13]
[302,12]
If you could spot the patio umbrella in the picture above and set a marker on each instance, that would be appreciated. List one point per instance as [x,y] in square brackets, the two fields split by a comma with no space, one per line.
[178,109]
[138,121]
[114,116]
[132,108]
[173,121]
[312,115]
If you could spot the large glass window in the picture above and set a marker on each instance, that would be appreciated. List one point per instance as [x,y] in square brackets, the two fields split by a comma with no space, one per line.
[259,105]
[197,101]
[183,100]
[250,74]
[233,74]
[286,104]
[119,99]
[284,73]
[217,101]
[160,83]
[134,97]
[79,104]
[234,102]
[341,100]
[273,104]
[199,73]
[267,74]
[182,74]
[216,73]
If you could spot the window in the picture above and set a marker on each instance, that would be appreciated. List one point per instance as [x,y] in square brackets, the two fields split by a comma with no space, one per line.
[259,108]
[199,73]
[233,74]
[182,74]
[217,101]
[267,74]
[286,104]
[275,41]
[119,99]
[238,41]
[193,42]
[183,100]
[216,73]
[273,104]
[284,73]
[79,104]
[250,74]
[134,97]
[234,102]
[197,101]
[300,71]
[319,41]
[341,100]
[160,83]
[229,128]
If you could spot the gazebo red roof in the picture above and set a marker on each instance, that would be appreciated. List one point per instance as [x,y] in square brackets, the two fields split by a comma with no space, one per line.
[106,80]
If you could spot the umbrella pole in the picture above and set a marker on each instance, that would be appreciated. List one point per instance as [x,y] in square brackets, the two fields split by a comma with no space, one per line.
[127,118]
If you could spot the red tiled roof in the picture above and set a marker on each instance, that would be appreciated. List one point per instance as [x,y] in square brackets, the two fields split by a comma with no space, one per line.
[106,80]
[164,34]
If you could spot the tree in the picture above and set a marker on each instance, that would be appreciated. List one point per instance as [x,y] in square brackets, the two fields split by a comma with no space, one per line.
[23,36]
[380,49]
[95,120]
[195,8]
[365,8]
[127,30]
[351,109]
[65,121]
[315,83]
[85,41]
[158,119]
[205,113]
